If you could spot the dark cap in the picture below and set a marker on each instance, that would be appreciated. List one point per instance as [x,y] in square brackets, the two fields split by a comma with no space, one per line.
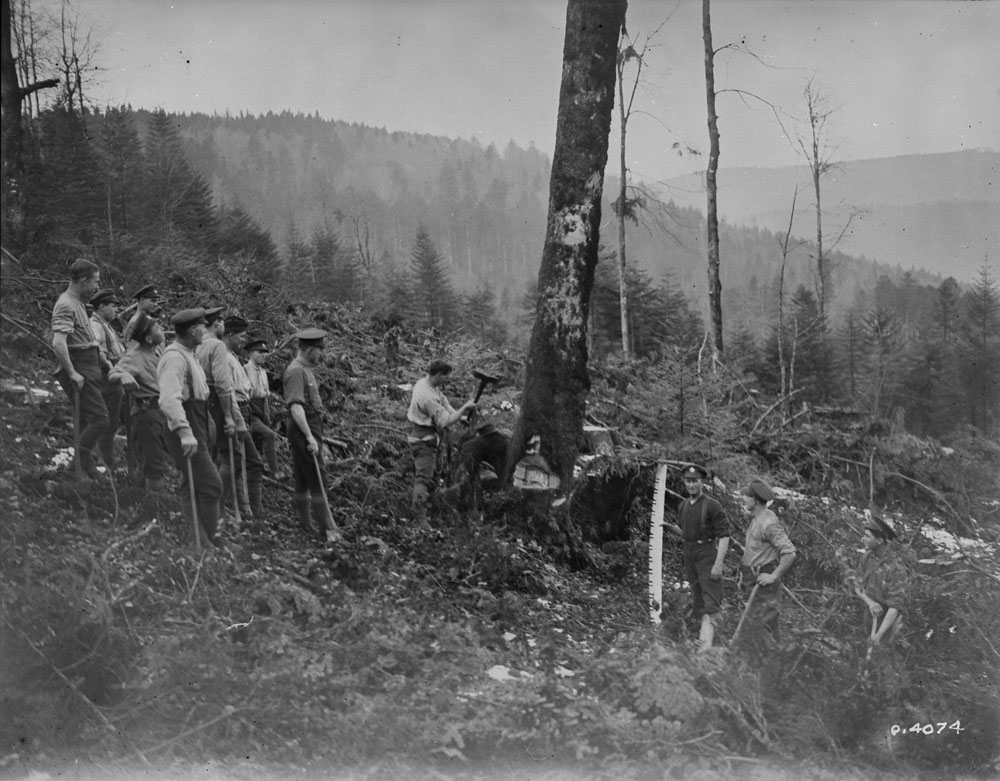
[143,324]
[102,297]
[311,337]
[880,529]
[213,313]
[256,344]
[694,472]
[149,291]
[759,490]
[235,324]
[188,317]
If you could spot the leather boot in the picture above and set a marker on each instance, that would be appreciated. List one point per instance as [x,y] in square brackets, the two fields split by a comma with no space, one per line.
[707,633]
[328,530]
[254,489]
[302,510]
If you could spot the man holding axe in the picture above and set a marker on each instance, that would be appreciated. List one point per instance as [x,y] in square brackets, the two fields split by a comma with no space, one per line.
[305,432]
[183,400]
[767,555]
[882,581]
[429,414]
[79,362]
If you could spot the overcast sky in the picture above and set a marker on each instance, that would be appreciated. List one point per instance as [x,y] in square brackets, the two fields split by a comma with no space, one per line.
[909,76]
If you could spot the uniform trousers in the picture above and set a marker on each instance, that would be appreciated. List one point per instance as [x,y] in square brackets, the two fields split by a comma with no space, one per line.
[705,592]
[93,412]
[207,483]
[148,435]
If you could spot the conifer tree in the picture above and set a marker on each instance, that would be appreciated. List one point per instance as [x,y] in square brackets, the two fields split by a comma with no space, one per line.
[434,298]
[980,353]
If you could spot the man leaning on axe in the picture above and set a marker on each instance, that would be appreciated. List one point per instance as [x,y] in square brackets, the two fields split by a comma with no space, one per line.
[767,555]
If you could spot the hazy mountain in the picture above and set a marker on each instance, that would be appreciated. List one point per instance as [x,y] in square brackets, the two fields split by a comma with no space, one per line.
[938,212]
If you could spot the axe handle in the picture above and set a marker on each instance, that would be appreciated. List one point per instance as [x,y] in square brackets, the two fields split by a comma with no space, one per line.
[480,389]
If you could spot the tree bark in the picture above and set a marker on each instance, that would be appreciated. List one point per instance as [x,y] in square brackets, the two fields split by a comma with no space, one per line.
[11,96]
[556,377]
[712,216]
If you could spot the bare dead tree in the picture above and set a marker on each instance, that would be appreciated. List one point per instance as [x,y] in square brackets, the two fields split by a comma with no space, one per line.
[75,55]
[711,187]
[625,207]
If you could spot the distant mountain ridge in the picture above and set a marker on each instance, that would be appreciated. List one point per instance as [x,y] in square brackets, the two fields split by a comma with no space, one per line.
[936,212]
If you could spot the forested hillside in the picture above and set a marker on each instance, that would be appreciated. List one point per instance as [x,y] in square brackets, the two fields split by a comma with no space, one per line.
[930,213]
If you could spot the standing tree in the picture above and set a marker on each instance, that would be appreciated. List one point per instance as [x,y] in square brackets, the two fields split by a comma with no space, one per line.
[12,94]
[435,300]
[712,215]
[818,155]
[980,351]
[625,207]
[556,377]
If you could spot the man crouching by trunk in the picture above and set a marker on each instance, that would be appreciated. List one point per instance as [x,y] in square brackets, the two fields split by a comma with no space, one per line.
[767,555]
[704,529]
[429,414]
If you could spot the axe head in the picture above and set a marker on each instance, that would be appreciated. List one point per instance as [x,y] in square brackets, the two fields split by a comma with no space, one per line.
[484,380]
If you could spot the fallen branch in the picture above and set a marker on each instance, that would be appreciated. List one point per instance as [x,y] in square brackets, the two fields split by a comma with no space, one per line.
[76,690]
[772,408]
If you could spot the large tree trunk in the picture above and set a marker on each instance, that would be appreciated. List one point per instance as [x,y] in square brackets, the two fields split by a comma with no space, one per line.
[556,378]
[11,96]
[712,217]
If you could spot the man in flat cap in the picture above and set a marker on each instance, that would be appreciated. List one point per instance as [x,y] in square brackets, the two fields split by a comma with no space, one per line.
[137,372]
[110,349]
[147,302]
[882,580]
[183,400]
[249,469]
[76,351]
[260,402]
[767,555]
[213,357]
[703,527]
[305,432]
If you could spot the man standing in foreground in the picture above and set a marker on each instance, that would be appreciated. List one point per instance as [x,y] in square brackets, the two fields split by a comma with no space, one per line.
[767,555]
[429,415]
[305,432]
[183,401]
[704,529]
[882,580]
[79,360]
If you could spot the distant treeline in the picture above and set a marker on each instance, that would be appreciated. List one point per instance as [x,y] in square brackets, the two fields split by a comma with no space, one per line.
[425,232]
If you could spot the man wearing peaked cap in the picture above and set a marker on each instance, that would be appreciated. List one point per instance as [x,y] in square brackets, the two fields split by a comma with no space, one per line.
[110,349]
[703,527]
[260,403]
[305,432]
[147,301]
[183,400]
[248,469]
[767,555]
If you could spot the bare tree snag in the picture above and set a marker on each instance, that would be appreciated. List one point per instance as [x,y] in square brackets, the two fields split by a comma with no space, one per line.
[556,377]
[712,215]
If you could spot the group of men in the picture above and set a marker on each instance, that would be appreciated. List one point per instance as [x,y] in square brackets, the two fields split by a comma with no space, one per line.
[191,402]
[768,553]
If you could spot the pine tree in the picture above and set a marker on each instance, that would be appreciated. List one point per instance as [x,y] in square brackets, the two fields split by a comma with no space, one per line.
[435,300]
